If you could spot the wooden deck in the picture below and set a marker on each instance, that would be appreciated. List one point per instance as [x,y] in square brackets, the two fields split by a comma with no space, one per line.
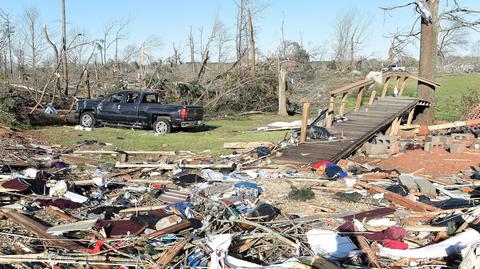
[360,127]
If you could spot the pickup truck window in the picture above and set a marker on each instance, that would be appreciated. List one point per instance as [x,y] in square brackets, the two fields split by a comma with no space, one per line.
[116,98]
[150,98]
[132,97]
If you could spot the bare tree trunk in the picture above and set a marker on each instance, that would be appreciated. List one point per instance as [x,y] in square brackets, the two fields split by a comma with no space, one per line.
[192,51]
[64,48]
[284,45]
[142,64]
[428,52]
[9,35]
[240,19]
[56,54]
[251,41]
[86,84]
[282,97]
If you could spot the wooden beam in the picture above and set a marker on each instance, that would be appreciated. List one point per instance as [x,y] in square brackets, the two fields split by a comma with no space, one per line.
[358,102]
[331,109]
[353,86]
[397,83]
[303,130]
[385,87]
[397,199]
[170,254]
[367,249]
[372,97]
[392,127]
[410,116]
[40,230]
[404,84]
[184,224]
[342,104]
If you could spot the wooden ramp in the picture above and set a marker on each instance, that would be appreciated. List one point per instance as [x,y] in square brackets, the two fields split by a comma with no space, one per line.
[360,127]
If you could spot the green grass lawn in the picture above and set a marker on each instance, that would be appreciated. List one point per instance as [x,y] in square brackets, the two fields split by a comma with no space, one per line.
[448,106]
[212,137]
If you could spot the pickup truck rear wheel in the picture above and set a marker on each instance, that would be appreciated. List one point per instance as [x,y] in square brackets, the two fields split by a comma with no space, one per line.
[87,119]
[162,126]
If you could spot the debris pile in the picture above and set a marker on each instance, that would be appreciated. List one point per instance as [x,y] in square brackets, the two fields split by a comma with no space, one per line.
[186,210]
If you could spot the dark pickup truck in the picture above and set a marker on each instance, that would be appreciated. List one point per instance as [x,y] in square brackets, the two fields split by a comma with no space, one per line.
[138,109]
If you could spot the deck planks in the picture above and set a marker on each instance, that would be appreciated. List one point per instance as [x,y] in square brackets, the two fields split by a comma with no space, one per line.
[360,127]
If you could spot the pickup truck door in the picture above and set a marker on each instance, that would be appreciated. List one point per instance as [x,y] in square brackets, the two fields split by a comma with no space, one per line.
[148,100]
[129,108]
[109,108]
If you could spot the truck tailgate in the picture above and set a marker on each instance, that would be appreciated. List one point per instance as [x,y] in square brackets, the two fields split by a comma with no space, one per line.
[194,113]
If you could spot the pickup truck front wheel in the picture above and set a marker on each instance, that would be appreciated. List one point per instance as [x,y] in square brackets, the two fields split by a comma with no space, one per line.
[162,126]
[87,120]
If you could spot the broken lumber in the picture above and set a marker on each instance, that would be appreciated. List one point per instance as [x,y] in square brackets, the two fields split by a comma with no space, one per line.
[246,145]
[184,224]
[39,229]
[168,255]
[397,199]
[131,152]
[165,166]
[143,208]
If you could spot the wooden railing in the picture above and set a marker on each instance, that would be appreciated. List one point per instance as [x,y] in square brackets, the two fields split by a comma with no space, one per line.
[361,87]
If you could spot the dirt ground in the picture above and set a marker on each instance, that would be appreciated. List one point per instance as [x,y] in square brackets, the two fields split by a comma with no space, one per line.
[436,163]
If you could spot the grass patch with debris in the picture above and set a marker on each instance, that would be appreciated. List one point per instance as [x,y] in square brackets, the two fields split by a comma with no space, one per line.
[301,194]
[211,137]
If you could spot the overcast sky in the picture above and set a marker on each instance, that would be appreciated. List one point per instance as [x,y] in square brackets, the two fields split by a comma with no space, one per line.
[171,20]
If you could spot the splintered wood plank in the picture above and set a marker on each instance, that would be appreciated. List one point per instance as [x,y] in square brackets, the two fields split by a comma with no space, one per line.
[39,229]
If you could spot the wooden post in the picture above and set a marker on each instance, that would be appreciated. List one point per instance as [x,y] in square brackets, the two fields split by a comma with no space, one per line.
[404,84]
[86,84]
[410,116]
[397,84]
[331,108]
[358,102]
[343,103]
[303,130]
[391,130]
[282,99]
[372,97]
[385,87]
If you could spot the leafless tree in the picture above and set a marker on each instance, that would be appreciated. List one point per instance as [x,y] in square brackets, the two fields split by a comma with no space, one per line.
[351,29]
[34,39]
[7,32]
[438,32]
[119,35]
[192,50]
[222,39]
[242,24]
[64,49]
[476,49]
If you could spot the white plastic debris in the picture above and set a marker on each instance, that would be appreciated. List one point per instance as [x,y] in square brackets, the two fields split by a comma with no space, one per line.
[452,245]
[219,244]
[58,189]
[50,110]
[376,76]
[381,222]
[330,245]
[210,175]
[30,172]
[75,197]
[424,10]
[81,128]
